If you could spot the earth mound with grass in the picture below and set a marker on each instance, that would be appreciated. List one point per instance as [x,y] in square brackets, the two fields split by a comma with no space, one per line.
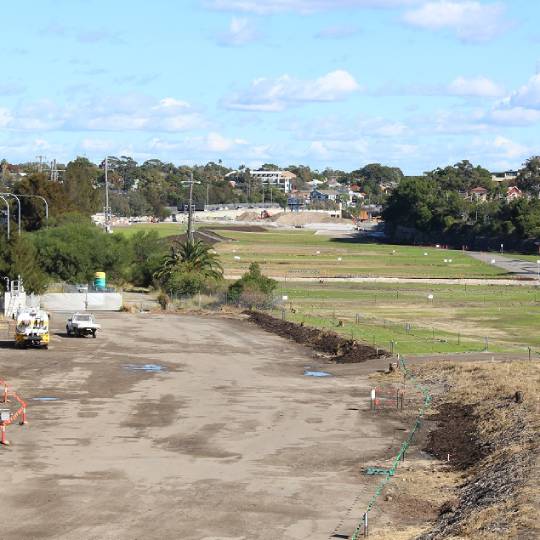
[341,350]
[488,424]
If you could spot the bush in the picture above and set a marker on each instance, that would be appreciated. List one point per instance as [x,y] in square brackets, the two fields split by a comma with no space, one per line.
[163,300]
[253,288]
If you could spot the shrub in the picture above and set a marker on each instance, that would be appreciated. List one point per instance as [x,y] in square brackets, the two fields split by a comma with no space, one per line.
[253,288]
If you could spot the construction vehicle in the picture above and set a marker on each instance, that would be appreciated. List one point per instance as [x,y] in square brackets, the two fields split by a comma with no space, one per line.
[82,324]
[32,329]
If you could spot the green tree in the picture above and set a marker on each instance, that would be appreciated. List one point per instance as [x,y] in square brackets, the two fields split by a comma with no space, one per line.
[189,268]
[148,253]
[253,288]
[80,182]
[23,261]
[411,204]
[529,176]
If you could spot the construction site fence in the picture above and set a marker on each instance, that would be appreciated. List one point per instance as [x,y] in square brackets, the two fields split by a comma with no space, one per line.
[400,334]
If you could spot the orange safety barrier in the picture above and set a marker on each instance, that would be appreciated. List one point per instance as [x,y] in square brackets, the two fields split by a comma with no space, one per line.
[386,397]
[20,413]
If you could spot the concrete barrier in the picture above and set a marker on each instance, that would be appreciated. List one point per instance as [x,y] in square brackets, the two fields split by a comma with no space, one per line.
[82,301]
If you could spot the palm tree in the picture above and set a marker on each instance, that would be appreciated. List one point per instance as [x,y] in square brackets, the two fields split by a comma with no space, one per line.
[190,257]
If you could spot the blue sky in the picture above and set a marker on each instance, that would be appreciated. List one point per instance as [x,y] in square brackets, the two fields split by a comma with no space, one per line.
[338,83]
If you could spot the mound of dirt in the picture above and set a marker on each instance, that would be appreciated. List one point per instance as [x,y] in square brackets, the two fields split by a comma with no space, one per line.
[304,218]
[204,235]
[344,351]
[455,436]
[249,216]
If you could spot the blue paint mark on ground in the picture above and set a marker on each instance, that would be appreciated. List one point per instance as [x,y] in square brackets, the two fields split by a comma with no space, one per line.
[317,374]
[147,368]
[45,399]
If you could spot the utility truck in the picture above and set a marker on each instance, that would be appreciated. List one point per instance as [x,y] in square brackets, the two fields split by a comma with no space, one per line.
[32,329]
[82,324]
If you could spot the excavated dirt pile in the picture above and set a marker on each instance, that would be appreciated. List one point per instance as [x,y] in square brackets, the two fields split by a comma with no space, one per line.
[343,351]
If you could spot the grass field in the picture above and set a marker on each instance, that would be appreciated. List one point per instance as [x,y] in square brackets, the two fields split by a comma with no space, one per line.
[305,254]
[458,319]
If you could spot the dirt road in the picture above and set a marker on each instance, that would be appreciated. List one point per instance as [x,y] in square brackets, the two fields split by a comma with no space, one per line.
[223,437]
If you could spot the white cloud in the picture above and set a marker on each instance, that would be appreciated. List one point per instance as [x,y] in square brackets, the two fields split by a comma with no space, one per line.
[528,95]
[265,7]
[277,94]
[105,113]
[241,32]
[475,87]
[218,143]
[510,149]
[514,116]
[471,20]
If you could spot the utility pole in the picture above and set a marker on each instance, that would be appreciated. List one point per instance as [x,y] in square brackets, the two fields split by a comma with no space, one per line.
[40,166]
[107,209]
[190,214]
[190,182]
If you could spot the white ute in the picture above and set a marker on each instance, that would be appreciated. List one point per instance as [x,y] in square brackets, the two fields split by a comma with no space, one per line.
[82,324]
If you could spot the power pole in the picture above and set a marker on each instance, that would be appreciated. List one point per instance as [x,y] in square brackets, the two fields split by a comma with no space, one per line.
[40,165]
[190,214]
[107,209]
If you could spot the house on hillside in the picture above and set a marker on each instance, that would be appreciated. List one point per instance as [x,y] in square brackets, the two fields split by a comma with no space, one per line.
[506,176]
[478,194]
[321,195]
[513,193]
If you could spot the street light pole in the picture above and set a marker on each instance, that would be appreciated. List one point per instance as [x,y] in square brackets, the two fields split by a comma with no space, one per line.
[8,217]
[18,209]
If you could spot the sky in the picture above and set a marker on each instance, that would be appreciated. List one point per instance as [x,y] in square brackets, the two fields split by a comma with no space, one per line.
[326,83]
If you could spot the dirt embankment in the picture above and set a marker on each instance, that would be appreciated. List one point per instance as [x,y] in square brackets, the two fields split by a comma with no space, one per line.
[492,439]
[343,351]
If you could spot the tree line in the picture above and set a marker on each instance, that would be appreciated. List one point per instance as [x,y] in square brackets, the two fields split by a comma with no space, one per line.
[443,204]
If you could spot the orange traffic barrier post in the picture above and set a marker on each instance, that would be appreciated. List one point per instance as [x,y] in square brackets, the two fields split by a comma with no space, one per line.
[3,439]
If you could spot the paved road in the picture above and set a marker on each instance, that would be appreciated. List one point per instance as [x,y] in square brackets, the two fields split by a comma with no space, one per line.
[229,441]
[515,265]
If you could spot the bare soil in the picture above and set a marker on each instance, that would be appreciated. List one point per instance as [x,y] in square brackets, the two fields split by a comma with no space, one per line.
[224,439]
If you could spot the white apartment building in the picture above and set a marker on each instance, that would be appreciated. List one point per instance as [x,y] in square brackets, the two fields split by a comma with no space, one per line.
[279,179]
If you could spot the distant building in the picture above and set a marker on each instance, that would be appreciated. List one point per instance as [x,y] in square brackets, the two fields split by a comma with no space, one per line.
[324,195]
[478,194]
[279,179]
[506,176]
[513,193]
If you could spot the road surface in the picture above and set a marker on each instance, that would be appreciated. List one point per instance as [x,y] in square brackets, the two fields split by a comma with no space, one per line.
[510,263]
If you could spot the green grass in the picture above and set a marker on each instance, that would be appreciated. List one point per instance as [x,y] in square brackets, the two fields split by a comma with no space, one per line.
[459,319]
[294,253]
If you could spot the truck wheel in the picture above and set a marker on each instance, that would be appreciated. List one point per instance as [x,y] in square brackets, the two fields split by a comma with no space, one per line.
[94,334]
[68,331]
